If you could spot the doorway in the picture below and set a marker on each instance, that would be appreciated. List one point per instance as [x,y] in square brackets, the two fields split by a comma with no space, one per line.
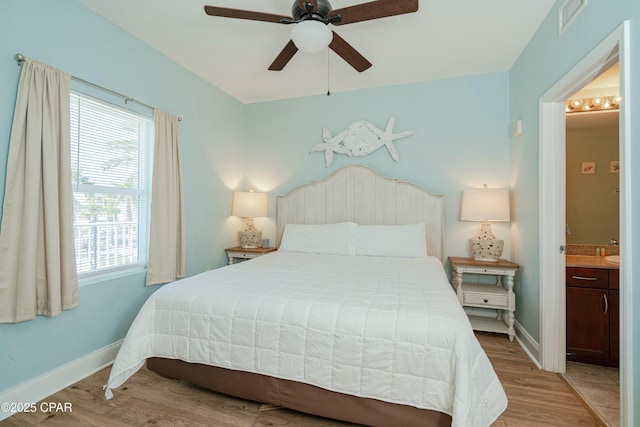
[592,207]
[615,48]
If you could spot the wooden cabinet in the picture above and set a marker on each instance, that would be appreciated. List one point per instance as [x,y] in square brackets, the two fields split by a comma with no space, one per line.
[592,315]
[587,325]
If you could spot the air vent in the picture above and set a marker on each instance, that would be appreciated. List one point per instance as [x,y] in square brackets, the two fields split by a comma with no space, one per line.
[568,12]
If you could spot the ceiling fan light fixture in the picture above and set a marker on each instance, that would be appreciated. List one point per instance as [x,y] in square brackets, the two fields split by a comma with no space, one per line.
[311,36]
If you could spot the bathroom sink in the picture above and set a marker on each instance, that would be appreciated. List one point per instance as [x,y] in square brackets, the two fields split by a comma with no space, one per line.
[613,259]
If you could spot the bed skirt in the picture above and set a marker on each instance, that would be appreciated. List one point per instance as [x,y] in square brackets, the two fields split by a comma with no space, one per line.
[298,396]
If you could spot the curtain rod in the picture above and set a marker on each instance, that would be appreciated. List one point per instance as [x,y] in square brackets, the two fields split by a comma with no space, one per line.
[20,58]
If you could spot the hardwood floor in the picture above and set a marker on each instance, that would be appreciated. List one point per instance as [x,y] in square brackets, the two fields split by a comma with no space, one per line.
[536,398]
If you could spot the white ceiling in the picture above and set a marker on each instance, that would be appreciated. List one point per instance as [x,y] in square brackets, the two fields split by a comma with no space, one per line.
[445,38]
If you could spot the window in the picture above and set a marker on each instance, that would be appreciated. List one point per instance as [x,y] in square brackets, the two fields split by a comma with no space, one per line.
[110,166]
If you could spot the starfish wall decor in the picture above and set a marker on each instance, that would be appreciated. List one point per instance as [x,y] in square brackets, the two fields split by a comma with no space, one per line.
[359,139]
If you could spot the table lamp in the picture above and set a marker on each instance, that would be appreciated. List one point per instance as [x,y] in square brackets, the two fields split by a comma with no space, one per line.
[249,205]
[485,204]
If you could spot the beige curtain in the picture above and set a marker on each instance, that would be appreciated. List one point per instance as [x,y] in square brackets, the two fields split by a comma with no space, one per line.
[167,253]
[37,258]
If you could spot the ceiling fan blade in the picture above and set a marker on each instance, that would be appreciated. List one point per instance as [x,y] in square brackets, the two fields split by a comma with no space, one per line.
[314,3]
[244,14]
[348,53]
[374,10]
[284,57]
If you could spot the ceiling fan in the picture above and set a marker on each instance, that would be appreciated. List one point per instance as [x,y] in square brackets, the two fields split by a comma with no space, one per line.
[312,18]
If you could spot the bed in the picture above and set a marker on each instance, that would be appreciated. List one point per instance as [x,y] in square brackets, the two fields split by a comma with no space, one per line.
[352,318]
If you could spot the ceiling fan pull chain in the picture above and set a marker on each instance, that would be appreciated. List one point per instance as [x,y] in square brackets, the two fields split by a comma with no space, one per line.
[328,71]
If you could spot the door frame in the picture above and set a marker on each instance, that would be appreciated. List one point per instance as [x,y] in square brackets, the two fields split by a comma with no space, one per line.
[552,181]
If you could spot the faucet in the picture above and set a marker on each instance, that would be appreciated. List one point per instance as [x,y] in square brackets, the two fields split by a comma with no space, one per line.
[613,242]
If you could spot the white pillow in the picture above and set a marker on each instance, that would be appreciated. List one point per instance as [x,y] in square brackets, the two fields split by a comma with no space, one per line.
[408,240]
[336,239]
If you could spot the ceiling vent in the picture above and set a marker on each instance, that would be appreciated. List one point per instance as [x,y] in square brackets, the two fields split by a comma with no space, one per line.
[568,12]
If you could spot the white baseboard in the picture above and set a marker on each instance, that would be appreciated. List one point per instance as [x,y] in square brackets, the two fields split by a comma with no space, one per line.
[51,382]
[530,346]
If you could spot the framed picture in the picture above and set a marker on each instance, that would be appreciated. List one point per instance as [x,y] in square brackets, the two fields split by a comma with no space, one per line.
[588,168]
[614,166]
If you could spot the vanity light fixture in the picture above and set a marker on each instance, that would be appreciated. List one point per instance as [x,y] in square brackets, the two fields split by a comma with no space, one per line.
[597,103]
[485,204]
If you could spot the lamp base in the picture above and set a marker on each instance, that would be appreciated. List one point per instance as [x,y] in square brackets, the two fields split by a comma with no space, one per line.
[250,239]
[484,246]
[486,250]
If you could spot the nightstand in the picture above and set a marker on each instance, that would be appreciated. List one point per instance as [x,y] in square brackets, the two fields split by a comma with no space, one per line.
[497,297]
[238,252]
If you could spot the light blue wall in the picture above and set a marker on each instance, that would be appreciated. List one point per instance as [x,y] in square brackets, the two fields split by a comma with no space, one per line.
[546,60]
[68,36]
[461,140]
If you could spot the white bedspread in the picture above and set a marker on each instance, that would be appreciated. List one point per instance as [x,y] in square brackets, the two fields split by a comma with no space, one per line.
[384,328]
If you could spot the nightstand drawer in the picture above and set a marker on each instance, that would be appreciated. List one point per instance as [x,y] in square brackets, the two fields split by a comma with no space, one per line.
[483,270]
[244,255]
[488,299]
[241,253]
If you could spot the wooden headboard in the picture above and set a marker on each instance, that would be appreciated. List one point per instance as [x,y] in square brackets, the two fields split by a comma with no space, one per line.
[359,194]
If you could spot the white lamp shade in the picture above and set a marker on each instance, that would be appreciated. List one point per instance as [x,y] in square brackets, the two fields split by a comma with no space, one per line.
[249,204]
[485,204]
[311,36]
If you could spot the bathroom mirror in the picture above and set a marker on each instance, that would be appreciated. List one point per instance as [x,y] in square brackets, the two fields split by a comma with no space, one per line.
[592,179]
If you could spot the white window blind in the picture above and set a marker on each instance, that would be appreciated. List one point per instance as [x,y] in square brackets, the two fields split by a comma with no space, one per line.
[110,165]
